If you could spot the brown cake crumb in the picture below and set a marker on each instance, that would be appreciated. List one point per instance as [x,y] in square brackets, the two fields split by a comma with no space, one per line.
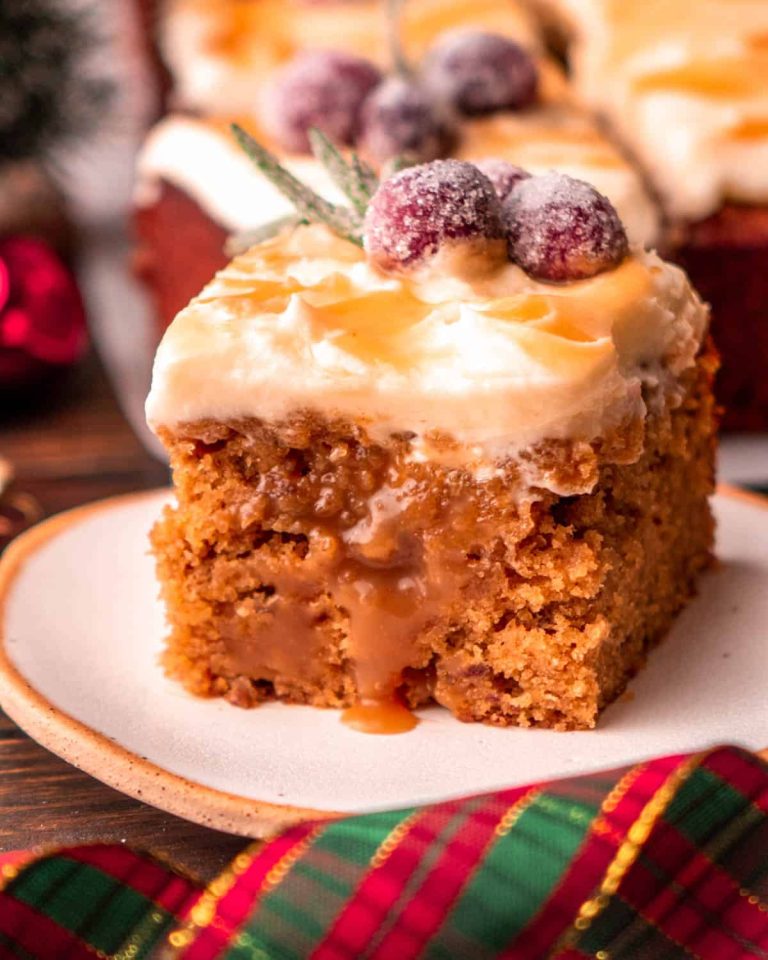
[306,563]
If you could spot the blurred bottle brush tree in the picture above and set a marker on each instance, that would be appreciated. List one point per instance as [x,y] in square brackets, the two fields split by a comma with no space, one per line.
[45,95]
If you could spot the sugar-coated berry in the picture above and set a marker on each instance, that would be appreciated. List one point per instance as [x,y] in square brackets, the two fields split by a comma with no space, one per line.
[319,88]
[503,175]
[401,118]
[560,228]
[481,72]
[421,209]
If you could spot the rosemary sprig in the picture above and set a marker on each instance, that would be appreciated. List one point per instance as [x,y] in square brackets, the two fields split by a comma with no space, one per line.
[238,243]
[353,177]
[309,205]
[366,174]
[399,162]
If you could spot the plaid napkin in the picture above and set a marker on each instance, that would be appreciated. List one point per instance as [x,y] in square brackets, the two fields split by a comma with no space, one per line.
[663,860]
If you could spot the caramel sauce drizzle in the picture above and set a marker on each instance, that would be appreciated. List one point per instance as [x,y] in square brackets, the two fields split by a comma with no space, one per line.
[753,129]
[239,29]
[234,24]
[741,77]
[543,142]
[377,326]
[396,573]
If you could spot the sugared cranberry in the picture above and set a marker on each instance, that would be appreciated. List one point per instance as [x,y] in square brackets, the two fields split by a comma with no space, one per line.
[319,88]
[421,209]
[401,118]
[560,228]
[503,175]
[481,72]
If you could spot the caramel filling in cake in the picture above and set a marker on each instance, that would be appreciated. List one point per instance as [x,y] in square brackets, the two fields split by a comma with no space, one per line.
[409,559]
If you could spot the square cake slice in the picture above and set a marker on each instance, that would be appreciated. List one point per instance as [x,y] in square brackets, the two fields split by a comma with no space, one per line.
[467,466]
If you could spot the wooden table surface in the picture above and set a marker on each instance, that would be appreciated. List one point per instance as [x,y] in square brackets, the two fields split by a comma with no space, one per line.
[70,446]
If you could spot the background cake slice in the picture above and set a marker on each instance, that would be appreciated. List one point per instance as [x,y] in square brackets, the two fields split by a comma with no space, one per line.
[220,52]
[473,95]
[195,190]
[687,92]
[419,471]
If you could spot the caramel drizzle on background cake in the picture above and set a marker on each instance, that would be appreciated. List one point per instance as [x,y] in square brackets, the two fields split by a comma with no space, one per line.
[742,77]
[237,29]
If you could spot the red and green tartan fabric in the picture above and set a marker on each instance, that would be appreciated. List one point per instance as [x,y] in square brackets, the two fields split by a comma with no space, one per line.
[667,859]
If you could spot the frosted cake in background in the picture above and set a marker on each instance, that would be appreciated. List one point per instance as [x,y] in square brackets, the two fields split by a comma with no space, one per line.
[471,95]
[685,88]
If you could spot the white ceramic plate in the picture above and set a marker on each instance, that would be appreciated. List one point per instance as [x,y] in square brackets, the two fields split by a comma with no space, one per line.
[81,629]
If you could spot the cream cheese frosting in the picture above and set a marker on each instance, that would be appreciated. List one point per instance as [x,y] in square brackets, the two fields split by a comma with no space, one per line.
[497,364]
[686,88]
[219,50]
[202,159]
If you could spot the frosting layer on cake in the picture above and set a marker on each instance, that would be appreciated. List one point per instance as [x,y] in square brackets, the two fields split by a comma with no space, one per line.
[473,367]
[201,158]
[686,87]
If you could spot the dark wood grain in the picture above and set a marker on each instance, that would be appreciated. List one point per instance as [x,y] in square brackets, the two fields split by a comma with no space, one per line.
[70,445]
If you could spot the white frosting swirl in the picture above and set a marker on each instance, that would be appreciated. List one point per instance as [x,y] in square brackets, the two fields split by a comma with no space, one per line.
[498,364]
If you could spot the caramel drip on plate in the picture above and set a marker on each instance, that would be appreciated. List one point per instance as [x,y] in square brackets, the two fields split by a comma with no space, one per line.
[376,717]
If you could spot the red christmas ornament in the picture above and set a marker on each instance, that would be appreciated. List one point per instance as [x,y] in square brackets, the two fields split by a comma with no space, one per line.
[42,320]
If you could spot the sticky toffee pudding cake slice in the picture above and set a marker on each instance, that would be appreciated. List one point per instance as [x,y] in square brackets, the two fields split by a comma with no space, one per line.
[461,455]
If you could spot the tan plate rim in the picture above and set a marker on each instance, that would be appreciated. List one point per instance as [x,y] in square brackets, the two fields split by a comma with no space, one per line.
[125,771]
[87,749]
